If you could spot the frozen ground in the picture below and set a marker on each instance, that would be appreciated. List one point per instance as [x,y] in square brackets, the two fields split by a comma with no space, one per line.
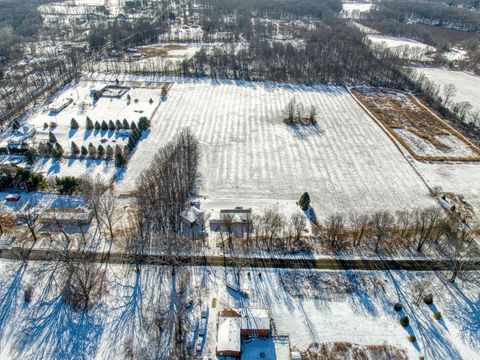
[467,84]
[251,158]
[403,47]
[310,306]
[459,178]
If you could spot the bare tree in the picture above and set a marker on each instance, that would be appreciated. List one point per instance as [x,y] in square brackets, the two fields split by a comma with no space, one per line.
[29,217]
[108,212]
[382,222]
[359,224]
[461,247]
[7,219]
[449,92]
[334,229]
[84,285]
[428,220]
[297,225]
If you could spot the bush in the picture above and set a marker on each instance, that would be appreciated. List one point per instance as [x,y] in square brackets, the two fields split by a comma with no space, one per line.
[143,123]
[397,307]
[53,124]
[28,294]
[45,125]
[405,321]
[30,156]
[304,201]
[428,299]
[437,315]
[12,176]
[412,338]
[67,184]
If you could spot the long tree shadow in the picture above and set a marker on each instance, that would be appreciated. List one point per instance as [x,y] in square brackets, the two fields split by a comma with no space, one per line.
[53,330]
[436,344]
[9,300]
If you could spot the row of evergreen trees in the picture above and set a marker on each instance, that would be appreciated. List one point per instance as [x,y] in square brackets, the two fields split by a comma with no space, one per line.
[143,124]
[119,153]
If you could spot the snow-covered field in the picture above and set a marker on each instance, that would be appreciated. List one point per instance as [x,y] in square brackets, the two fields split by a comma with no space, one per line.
[459,178]
[350,306]
[251,158]
[467,84]
[402,47]
[355,10]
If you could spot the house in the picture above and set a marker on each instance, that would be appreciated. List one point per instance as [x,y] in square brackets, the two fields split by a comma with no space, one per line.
[57,107]
[233,324]
[236,221]
[192,222]
[66,216]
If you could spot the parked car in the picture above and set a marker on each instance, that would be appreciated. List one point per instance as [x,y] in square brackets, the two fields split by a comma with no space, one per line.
[12,197]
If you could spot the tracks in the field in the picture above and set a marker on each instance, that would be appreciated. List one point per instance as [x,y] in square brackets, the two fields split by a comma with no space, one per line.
[326,263]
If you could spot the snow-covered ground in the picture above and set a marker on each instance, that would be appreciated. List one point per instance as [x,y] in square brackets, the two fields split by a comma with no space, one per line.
[402,47]
[251,158]
[467,84]
[350,306]
[458,178]
[355,10]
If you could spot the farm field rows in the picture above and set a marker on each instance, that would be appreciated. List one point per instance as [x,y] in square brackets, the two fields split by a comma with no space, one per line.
[251,158]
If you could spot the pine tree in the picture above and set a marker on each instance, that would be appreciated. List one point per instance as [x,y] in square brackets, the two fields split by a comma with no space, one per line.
[92,150]
[74,148]
[118,124]
[57,152]
[89,124]
[51,138]
[119,160]
[304,201]
[97,125]
[100,151]
[133,126]
[104,125]
[109,152]
[74,124]
[131,143]
[84,151]
[125,124]
[111,125]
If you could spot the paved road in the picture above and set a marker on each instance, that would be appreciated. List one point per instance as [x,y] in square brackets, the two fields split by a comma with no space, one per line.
[197,260]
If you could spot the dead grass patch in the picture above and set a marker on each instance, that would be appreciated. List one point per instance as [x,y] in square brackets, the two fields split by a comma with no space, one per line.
[396,110]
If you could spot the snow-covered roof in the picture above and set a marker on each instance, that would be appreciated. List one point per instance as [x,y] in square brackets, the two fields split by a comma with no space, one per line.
[255,319]
[191,214]
[228,336]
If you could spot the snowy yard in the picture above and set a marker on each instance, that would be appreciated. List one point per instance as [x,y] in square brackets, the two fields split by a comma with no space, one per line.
[251,158]
[359,310]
